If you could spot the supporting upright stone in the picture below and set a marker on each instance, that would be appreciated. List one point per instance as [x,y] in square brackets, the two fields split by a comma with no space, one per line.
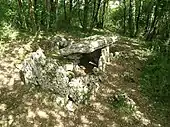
[104,59]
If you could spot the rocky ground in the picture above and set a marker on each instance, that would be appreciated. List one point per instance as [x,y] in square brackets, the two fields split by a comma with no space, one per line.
[117,103]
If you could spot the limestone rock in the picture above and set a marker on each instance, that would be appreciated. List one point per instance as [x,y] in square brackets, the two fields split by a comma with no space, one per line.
[39,71]
[61,42]
[104,59]
[69,67]
[87,46]
[75,75]
[30,72]
[45,72]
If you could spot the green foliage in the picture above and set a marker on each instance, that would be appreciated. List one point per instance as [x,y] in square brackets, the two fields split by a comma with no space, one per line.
[7,11]
[149,18]
[52,15]
[155,80]
[115,20]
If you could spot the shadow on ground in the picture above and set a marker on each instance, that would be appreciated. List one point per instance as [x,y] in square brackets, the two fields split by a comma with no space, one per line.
[21,106]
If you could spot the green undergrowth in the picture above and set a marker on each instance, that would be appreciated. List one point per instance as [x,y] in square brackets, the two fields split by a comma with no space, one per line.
[155,82]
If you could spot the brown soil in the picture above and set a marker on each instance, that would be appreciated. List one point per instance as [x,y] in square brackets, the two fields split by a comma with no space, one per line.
[22,107]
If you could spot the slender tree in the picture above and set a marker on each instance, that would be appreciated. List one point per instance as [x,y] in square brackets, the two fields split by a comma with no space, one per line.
[103,13]
[138,16]
[56,11]
[65,12]
[124,16]
[70,10]
[85,16]
[32,15]
[154,22]
[131,18]
[95,20]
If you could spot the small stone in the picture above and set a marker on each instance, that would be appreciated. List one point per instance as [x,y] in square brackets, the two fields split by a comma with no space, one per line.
[42,114]
[3,107]
[69,67]
[117,53]
[96,70]
[71,106]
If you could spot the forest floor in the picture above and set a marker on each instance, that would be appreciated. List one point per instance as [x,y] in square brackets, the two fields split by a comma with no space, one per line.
[21,107]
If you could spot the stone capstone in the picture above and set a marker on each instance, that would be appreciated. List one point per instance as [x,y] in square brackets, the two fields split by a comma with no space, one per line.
[88,45]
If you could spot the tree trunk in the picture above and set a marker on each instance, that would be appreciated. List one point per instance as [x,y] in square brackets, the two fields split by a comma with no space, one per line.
[148,18]
[131,18]
[94,10]
[52,11]
[138,17]
[36,16]
[79,15]
[32,16]
[85,18]
[97,11]
[103,13]
[124,16]
[56,11]
[147,23]
[70,11]
[48,8]
[152,28]
[22,19]
[20,12]
[95,20]
[65,12]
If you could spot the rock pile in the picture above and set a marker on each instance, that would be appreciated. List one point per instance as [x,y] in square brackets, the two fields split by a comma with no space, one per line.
[76,78]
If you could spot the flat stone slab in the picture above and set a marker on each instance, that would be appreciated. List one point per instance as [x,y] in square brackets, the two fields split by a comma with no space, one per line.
[88,46]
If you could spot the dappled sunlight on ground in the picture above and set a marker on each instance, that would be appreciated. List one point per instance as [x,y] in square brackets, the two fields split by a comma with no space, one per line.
[21,106]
